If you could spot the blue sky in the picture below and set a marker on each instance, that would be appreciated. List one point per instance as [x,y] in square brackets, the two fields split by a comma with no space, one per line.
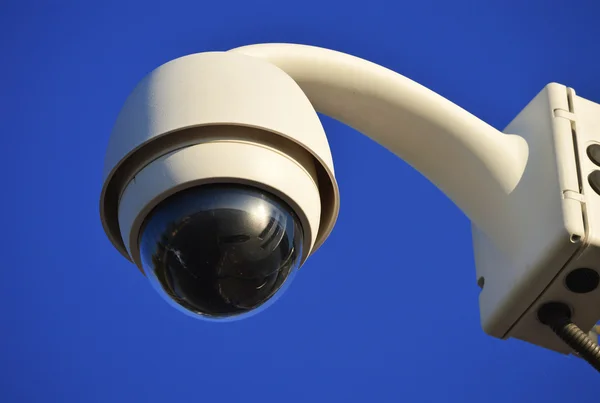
[385,311]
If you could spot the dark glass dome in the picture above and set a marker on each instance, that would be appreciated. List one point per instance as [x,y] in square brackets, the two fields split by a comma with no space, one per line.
[221,251]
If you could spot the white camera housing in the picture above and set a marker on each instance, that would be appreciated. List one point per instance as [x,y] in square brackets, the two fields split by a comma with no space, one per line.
[554,218]
[249,116]
[217,118]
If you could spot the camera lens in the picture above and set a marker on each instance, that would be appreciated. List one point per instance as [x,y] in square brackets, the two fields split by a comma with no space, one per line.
[221,251]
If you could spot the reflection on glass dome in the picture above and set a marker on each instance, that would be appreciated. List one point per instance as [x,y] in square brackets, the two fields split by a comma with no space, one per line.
[221,251]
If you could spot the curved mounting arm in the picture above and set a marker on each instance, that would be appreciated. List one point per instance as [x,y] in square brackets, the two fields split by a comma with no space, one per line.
[474,164]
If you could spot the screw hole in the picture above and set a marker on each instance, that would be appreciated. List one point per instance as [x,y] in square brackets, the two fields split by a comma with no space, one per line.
[481,282]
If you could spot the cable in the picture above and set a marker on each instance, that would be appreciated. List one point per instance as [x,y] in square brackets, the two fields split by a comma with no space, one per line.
[557,316]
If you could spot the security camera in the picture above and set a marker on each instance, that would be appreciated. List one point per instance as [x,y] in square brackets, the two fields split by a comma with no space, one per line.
[219,183]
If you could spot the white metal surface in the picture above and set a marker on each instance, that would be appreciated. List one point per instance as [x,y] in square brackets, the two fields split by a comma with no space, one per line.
[556,220]
[474,164]
[545,226]
[212,89]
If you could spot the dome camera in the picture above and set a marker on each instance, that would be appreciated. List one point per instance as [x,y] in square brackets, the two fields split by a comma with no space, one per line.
[219,184]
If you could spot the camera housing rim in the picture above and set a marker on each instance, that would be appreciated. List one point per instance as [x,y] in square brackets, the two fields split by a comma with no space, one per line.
[181,102]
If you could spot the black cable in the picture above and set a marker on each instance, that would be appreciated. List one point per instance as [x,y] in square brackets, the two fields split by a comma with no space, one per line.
[557,316]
